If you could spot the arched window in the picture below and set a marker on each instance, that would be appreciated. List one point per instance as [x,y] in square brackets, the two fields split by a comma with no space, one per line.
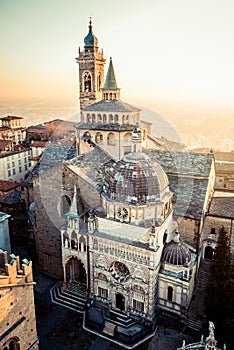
[13,344]
[111,96]
[104,118]
[88,118]
[111,139]
[99,118]
[169,293]
[93,118]
[87,82]
[66,242]
[116,119]
[128,138]
[111,118]
[82,244]
[98,138]
[82,116]
[74,244]
[65,204]
[165,237]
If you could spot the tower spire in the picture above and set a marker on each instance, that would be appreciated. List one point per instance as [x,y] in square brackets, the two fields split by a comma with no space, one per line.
[110,90]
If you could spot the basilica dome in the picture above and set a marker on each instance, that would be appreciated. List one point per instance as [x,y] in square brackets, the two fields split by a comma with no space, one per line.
[136,180]
[175,253]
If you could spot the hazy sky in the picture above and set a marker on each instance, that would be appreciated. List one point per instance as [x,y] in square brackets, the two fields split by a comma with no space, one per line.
[166,52]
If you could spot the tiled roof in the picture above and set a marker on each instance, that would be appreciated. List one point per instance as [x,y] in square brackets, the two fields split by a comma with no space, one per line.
[38,143]
[222,207]
[224,156]
[8,185]
[10,117]
[4,143]
[111,106]
[224,168]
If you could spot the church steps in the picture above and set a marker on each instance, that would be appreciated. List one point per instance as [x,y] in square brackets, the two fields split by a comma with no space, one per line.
[119,319]
[195,325]
[58,297]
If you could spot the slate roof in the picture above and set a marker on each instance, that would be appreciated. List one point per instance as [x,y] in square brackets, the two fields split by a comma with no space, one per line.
[88,164]
[101,126]
[54,154]
[12,197]
[222,207]
[111,106]
[189,191]
[183,163]
[189,194]
[110,82]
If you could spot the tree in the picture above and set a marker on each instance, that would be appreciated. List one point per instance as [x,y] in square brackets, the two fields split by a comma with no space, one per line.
[219,298]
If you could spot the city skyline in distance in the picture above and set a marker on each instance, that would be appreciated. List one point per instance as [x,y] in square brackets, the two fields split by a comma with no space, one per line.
[175,58]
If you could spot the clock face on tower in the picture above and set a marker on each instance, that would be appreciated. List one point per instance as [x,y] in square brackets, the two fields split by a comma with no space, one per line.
[122,213]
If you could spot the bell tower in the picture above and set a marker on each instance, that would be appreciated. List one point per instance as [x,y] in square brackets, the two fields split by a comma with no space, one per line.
[91,70]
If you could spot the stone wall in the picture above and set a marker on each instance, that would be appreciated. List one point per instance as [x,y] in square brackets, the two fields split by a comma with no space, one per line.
[48,191]
[17,310]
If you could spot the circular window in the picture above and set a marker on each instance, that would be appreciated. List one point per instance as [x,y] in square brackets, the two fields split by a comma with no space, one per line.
[119,270]
[122,213]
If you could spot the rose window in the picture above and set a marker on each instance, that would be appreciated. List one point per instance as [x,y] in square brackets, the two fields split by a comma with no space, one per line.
[119,271]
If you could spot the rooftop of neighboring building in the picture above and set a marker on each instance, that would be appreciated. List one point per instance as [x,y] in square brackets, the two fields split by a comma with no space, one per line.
[19,149]
[53,155]
[183,163]
[41,144]
[222,206]
[4,144]
[13,197]
[224,157]
[10,117]
[6,186]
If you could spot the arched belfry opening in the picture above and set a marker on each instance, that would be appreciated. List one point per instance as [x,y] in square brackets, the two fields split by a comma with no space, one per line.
[87,82]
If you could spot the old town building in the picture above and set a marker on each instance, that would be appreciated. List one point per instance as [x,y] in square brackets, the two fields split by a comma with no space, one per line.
[17,312]
[11,129]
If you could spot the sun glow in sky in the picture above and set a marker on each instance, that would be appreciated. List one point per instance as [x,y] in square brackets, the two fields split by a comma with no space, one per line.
[168,53]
